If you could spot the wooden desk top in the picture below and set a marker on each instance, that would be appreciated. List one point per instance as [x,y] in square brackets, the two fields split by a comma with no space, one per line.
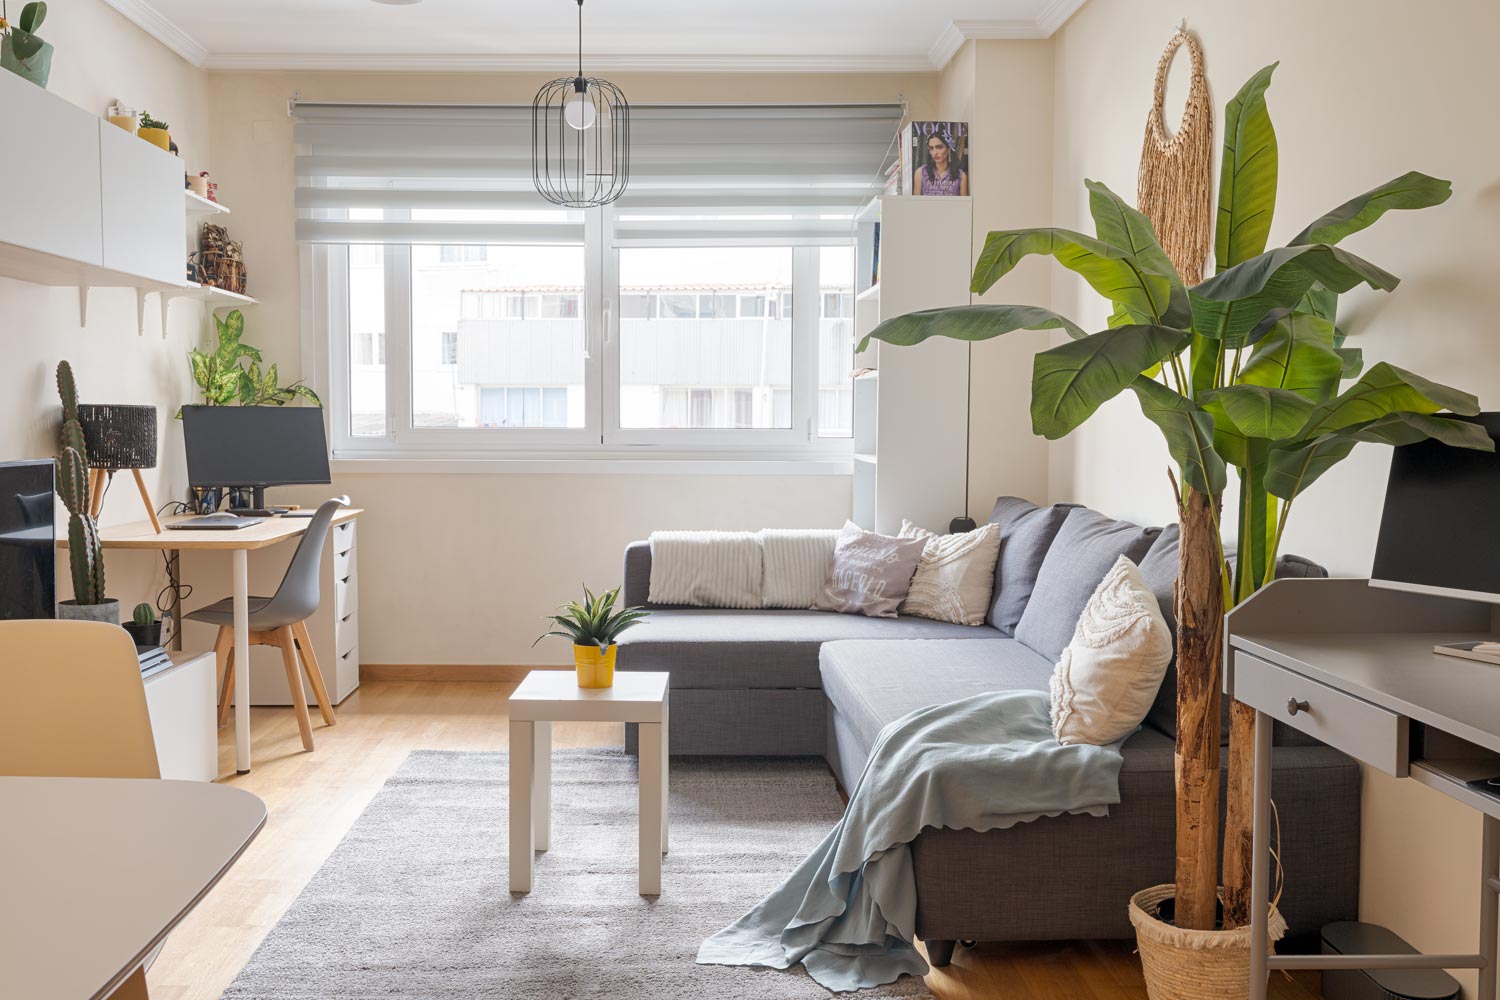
[96,871]
[140,534]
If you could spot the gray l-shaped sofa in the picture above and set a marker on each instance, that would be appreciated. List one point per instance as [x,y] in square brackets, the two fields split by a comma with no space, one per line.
[794,683]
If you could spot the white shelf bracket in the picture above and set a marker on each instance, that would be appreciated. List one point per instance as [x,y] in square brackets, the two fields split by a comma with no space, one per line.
[166,303]
[83,306]
[140,312]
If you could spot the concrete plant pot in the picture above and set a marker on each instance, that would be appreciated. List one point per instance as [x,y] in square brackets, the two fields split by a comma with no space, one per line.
[108,611]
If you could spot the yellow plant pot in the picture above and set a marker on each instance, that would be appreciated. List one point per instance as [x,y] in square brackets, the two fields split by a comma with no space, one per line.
[596,667]
[159,137]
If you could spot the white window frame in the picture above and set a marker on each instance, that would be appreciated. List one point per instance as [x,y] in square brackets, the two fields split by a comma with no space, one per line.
[327,354]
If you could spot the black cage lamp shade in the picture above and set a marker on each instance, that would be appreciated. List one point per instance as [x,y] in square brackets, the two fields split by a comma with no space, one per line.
[580,138]
[119,436]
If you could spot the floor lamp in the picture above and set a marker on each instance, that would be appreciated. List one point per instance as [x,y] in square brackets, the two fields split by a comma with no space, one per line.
[119,436]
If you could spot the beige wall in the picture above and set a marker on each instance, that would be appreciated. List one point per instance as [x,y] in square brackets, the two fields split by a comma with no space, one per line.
[1364,92]
[1011,183]
[101,56]
[461,568]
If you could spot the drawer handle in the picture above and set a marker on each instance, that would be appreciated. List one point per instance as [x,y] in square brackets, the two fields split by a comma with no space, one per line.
[1293,706]
[344,580]
[347,617]
[345,553]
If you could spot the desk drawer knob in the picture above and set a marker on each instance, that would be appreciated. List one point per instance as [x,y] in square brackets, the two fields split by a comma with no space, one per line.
[1293,706]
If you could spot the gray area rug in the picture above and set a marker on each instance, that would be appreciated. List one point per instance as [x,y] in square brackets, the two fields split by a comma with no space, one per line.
[414,900]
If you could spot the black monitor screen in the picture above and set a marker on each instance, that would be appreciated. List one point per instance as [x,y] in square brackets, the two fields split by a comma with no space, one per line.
[27,543]
[255,445]
[1441,526]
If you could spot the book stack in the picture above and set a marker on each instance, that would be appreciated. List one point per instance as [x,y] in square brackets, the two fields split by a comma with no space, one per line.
[893,178]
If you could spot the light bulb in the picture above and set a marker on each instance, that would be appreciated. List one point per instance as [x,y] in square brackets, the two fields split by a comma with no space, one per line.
[579,112]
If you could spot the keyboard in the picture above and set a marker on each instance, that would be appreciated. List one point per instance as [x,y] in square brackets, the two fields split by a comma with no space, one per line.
[214,522]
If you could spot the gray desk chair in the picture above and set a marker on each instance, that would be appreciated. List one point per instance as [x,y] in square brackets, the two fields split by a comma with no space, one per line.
[281,621]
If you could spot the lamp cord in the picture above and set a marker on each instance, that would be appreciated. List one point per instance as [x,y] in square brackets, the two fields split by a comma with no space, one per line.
[580,39]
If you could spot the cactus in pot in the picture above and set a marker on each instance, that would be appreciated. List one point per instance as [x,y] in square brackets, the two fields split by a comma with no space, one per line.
[143,627]
[85,553]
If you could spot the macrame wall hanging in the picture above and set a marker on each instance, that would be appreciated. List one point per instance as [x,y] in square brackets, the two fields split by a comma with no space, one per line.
[1175,183]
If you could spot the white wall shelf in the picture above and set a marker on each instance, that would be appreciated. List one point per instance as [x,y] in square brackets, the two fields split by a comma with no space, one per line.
[911,412]
[215,297]
[196,204]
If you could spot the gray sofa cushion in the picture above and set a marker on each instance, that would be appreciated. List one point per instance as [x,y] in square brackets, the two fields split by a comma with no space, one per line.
[1026,532]
[713,648]
[871,684]
[1086,546]
[1159,570]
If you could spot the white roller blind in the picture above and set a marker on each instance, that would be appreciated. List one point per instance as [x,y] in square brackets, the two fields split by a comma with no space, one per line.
[370,173]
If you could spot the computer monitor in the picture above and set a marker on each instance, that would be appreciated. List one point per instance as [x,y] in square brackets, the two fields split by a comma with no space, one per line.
[1440,532]
[253,447]
[27,542]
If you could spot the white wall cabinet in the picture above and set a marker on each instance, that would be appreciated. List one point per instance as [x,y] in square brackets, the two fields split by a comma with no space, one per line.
[143,208]
[49,174]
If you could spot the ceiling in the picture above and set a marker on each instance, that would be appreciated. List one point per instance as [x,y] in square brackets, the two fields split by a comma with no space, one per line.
[683,35]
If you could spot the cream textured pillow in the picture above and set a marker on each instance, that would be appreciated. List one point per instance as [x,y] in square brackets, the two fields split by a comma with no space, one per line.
[1109,674]
[870,573]
[955,575]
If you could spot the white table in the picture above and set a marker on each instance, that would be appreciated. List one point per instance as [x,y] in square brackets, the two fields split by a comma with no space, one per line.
[95,871]
[548,696]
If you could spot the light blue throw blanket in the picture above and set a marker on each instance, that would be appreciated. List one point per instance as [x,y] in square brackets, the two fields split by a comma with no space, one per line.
[849,912]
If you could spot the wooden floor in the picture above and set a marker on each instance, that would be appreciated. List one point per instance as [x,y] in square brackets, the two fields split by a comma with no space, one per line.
[314,798]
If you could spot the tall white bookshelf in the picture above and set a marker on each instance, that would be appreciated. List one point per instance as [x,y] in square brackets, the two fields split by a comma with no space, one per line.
[911,409]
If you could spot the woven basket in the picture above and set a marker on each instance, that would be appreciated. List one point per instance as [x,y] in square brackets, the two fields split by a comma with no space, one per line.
[1193,965]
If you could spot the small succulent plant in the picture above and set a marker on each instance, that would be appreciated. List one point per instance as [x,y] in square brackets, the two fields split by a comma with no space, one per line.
[144,614]
[595,622]
[148,122]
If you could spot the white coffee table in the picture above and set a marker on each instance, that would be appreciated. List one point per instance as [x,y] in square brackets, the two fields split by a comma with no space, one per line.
[548,696]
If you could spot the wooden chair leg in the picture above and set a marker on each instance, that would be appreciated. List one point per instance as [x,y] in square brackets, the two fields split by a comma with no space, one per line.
[314,675]
[224,654]
[288,643]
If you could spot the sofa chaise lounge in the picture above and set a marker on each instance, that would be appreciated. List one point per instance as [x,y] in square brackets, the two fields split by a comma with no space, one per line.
[772,682]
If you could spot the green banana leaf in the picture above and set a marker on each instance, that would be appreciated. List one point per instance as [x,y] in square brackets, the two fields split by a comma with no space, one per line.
[1292,469]
[1411,190]
[1112,272]
[1071,381]
[1189,431]
[1233,303]
[1383,390]
[977,322]
[1247,175]
[1297,355]
[1260,412]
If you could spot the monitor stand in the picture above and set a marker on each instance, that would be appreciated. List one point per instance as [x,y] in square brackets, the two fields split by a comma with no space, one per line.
[257,506]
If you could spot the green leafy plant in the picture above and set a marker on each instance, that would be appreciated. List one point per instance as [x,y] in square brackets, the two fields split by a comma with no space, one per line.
[232,374]
[1245,371]
[24,41]
[144,614]
[595,622]
[148,122]
[85,553]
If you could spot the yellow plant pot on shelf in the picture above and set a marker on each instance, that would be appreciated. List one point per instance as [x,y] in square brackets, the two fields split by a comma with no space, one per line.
[596,667]
[159,137]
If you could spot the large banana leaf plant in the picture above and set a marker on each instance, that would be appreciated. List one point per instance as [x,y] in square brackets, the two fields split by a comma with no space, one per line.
[1244,371]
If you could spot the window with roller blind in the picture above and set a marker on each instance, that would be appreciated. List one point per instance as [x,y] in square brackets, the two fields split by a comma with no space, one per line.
[707,312]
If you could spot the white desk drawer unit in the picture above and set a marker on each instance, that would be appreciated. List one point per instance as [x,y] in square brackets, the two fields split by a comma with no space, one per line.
[1355,726]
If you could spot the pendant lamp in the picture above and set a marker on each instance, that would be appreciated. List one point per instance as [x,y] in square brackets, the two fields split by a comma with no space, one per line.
[580,138]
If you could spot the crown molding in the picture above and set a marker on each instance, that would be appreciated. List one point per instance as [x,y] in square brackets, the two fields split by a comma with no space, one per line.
[558,63]
[158,26]
[949,41]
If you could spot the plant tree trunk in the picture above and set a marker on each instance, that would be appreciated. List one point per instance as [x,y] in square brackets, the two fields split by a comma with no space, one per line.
[1200,622]
[1238,843]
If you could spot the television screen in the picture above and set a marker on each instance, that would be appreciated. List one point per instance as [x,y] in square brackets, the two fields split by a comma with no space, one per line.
[28,545]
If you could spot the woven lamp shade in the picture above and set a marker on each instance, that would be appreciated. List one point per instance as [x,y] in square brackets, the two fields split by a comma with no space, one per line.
[119,436]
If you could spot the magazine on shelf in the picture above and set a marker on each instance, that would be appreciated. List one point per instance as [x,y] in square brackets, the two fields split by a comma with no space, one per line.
[935,158]
[875,258]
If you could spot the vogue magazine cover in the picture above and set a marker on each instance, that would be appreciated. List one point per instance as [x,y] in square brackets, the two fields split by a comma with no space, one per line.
[938,158]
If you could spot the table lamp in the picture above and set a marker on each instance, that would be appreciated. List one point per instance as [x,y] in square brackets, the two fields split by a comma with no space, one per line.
[119,436]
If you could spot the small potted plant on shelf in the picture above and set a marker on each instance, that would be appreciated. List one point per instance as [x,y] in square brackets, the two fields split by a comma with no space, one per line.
[593,626]
[23,52]
[144,627]
[155,132]
[75,486]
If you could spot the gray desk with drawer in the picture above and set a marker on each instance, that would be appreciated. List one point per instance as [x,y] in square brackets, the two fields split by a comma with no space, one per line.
[1352,665]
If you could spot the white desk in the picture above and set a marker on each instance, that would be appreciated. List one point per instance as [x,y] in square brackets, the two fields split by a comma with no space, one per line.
[1352,666]
[95,871]
[239,543]
[548,696]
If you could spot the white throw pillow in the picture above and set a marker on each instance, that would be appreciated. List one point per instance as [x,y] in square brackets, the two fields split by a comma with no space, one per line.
[955,575]
[1109,674]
